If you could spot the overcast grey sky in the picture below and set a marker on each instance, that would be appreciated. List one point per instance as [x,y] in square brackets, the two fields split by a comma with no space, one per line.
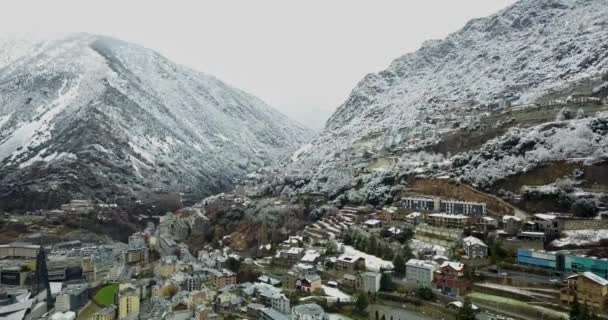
[302,57]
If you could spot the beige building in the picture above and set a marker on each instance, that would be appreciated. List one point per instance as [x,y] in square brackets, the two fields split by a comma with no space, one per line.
[128,303]
[588,288]
[447,220]
[221,278]
[19,250]
[107,313]
[348,263]
[88,268]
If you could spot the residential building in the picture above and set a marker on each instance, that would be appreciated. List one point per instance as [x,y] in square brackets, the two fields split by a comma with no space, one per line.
[272,314]
[304,269]
[180,311]
[311,257]
[420,272]
[414,218]
[221,278]
[447,237]
[487,223]
[349,263]
[202,312]
[420,204]
[463,207]
[281,303]
[309,311]
[116,272]
[292,255]
[531,235]
[13,276]
[309,283]
[229,301]
[450,279]
[547,223]
[370,281]
[447,220]
[19,250]
[474,247]
[511,224]
[72,298]
[288,281]
[137,250]
[254,310]
[167,266]
[373,223]
[194,282]
[168,246]
[107,313]
[88,268]
[587,288]
[128,303]
[350,281]
[386,214]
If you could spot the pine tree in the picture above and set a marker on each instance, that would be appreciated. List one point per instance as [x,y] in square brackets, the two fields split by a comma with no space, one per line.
[399,265]
[584,313]
[466,312]
[372,247]
[575,309]
[407,252]
[386,282]
[361,303]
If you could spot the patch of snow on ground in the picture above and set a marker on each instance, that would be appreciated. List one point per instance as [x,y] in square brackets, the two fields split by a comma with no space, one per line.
[337,316]
[417,245]
[300,151]
[581,237]
[372,263]
[334,294]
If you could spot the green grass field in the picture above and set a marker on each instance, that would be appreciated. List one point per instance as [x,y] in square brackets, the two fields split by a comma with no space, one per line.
[105,296]
[88,313]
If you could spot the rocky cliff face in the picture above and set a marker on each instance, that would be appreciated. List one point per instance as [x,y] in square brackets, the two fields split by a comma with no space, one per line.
[94,117]
[517,55]
[444,109]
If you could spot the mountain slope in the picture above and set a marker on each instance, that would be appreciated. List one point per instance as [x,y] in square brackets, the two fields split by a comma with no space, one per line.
[95,117]
[516,55]
[441,100]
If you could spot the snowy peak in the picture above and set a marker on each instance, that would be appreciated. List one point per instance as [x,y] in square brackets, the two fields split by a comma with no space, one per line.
[452,108]
[129,119]
[516,55]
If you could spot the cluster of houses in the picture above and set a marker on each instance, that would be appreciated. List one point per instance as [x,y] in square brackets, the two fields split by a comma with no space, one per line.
[181,285]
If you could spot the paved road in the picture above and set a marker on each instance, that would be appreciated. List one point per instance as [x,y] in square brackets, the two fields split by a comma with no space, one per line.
[524,276]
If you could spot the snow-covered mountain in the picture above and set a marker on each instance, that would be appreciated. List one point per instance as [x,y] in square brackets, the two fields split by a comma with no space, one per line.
[90,116]
[517,55]
[452,96]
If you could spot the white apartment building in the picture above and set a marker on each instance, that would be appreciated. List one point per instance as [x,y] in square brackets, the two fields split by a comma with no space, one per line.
[420,272]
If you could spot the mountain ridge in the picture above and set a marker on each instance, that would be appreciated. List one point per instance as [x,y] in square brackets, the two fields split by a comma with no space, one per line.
[130,120]
[542,59]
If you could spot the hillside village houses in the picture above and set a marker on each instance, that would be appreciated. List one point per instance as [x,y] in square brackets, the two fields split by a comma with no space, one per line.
[311,311]
[450,278]
[202,286]
[588,288]
[474,247]
[420,272]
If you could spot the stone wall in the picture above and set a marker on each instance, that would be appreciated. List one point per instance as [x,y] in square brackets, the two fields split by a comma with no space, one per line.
[584,224]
